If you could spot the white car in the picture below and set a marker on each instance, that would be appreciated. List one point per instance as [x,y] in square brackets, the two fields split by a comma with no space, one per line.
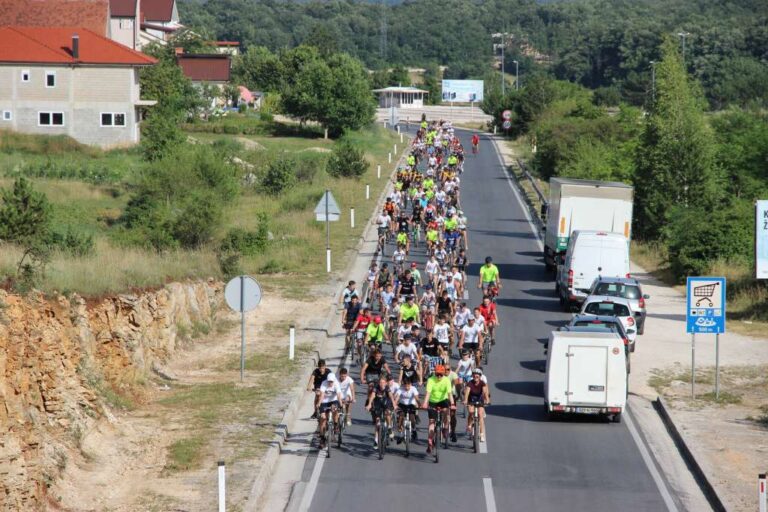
[621,308]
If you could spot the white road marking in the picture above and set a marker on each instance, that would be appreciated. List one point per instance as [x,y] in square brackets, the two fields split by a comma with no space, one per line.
[309,492]
[490,500]
[519,199]
[645,454]
[483,447]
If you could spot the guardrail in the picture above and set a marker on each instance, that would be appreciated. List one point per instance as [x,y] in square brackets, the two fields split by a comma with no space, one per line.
[535,185]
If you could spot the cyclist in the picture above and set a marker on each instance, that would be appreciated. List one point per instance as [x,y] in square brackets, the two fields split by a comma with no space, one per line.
[330,393]
[383,278]
[409,311]
[350,315]
[375,333]
[406,349]
[373,368]
[316,379]
[403,228]
[472,339]
[475,143]
[385,299]
[445,305]
[349,292]
[347,385]
[489,275]
[407,401]
[443,336]
[433,270]
[465,366]
[416,273]
[409,372]
[488,310]
[438,397]
[370,277]
[398,258]
[380,401]
[431,353]
[407,286]
[476,394]
[382,227]
[460,318]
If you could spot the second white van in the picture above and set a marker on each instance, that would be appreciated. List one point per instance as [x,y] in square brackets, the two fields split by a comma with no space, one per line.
[590,254]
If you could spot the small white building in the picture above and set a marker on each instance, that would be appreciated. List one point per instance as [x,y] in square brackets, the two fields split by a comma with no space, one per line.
[401,97]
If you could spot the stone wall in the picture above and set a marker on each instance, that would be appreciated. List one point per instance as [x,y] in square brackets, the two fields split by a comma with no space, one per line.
[59,358]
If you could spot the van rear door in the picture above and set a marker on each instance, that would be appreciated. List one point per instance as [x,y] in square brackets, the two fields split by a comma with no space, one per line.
[613,258]
[587,375]
[585,261]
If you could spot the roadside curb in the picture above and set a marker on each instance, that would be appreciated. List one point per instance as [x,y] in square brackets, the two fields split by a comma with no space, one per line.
[298,394]
[706,486]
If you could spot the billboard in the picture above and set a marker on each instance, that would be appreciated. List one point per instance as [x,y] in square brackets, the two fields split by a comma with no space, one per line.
[465,91]
[761,240]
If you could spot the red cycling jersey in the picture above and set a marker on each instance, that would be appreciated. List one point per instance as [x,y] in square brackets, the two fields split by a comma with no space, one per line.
[363,321]
[488,312]
[475,140]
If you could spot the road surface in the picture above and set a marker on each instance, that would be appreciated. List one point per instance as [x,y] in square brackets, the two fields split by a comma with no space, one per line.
[531,464]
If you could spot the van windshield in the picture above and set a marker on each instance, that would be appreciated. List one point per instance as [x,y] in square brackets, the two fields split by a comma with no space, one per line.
[606,308]
[598,324]
[626,291]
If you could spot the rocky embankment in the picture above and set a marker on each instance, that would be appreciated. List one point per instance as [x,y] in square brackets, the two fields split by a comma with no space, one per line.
[63,361]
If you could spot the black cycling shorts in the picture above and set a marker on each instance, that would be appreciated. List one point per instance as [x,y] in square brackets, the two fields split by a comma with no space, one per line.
[407,408]
[432,411]
[325,407]
[471,346]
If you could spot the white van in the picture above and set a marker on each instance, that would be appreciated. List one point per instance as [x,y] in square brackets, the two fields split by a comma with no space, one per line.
[590,254]
[586,374]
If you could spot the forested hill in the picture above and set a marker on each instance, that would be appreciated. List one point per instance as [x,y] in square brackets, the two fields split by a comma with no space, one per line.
[598,43]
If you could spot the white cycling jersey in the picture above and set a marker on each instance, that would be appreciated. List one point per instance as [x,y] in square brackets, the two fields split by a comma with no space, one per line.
[471,333]
[461,317]
[408,396]
[346,388]
[329,391]
[441,333]
[407,350]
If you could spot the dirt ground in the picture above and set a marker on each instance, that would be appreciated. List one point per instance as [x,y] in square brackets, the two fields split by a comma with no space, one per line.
[125,464]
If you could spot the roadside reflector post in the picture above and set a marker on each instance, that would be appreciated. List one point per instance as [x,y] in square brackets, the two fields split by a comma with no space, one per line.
[222,488]
[762,493]
[394,150]
[352,218]
[291,342]
[398,128]
[389,158]
[367,191]
[401,137]
[378,171]
[494,129]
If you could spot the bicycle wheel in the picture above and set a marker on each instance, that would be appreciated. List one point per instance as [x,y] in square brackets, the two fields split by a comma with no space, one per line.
[436,439]
[407,434]
[340,430]
[476,431]
[382,437]
[329,437]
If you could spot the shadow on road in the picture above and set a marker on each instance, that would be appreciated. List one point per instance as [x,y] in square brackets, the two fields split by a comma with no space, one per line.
[525,272]
[540,292]
[548,305]
[526,388]
[507,234]
[537,365]
[527,412]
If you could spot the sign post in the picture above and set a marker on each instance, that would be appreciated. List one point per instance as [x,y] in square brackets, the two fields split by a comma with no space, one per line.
[327,210]
[761,240]
[705,314]
[242,294]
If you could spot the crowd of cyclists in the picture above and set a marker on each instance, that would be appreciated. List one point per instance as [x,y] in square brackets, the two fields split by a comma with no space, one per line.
[409,330]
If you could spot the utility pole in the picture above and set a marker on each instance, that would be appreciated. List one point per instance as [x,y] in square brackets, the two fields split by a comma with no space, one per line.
[683,35]
[383,31]
[517,75]
[653,81]
[503,37]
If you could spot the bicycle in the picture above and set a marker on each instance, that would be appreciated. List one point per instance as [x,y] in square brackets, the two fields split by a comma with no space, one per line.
[475,428]
[439,435]
[362,354]
[341,426]
[330,429]
[416,233]
[486,352]
[383,431]
[407,427]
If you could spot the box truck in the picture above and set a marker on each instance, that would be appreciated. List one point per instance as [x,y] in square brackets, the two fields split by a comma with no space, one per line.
[587,205]
[586,374]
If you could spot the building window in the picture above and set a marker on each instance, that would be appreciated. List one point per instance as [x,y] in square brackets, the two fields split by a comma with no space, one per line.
[112,119]
[7,116]
[50,79]
[25,75]
[126,23]
[50,119]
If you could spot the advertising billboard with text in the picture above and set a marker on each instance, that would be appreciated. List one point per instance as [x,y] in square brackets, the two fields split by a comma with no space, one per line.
[463,91]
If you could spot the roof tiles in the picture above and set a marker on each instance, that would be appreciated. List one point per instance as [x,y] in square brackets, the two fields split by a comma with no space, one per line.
[91,14]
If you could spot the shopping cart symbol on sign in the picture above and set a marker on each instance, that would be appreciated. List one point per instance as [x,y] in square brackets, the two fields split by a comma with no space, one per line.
[705,292]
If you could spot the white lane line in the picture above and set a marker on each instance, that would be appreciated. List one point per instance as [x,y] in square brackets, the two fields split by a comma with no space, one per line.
[519,199]
[645,454]
[483,447]
[490,500]
[309,492]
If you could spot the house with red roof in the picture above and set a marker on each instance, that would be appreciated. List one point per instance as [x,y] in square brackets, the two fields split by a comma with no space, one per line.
[70,81]
[90,14]
[124,22]
[159,20]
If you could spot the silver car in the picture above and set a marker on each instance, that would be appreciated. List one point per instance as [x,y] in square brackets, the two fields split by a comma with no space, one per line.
[627,288]
[601,305]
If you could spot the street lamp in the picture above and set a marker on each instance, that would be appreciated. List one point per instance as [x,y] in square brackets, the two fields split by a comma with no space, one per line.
[517,75]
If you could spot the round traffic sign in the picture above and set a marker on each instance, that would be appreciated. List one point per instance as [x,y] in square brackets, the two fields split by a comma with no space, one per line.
[242,293]
[507,125]
[506,115]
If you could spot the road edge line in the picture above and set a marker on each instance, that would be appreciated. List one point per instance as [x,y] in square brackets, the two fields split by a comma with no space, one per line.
[706,486]
[490,499]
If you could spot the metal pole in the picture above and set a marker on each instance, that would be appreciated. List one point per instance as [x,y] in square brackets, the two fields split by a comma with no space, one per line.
[717,366]
[352,217]
[222,487]
[693,366]
[291,342]
[517,76]
[242,328]
[761,493]
[653,81]
[503,36]
[327,235]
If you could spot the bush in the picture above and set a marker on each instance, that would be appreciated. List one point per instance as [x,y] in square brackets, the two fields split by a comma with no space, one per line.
[197,220]
[73,243]
[160,135]
[279,176]
[347,161]
[239,242]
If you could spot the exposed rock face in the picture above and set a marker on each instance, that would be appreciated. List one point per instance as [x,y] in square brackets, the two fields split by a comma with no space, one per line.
[58,358]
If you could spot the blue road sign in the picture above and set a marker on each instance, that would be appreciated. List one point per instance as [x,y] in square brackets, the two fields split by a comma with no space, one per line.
[706,305]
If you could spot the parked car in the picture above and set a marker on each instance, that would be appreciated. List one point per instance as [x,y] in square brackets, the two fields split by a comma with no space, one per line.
[600,305]
[586,374]
[590,254]
[627,288]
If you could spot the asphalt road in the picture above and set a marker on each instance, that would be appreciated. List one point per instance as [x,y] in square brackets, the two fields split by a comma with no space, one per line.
[531,464]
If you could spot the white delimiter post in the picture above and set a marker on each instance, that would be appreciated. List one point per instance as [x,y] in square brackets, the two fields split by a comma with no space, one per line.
[394,150]
[352,218]
[390,158]
[401,137]
[222,488]
[762,493]
[291,342]
[367,191]
[378,171]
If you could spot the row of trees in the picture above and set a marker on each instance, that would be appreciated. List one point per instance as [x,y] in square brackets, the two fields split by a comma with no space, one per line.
[597,43]
[696,174]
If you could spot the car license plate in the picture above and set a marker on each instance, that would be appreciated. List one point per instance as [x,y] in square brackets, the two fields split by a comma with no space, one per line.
[587,410]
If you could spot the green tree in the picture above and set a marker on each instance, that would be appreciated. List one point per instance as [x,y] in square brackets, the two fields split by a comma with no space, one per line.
[347,161]
[675,157]
[160,134]
[25,220]
[258,69]
[325,38]
[399,76]
[279,176]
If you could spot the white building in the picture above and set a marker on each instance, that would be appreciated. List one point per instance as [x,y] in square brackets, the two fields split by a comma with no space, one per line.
[401,97]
